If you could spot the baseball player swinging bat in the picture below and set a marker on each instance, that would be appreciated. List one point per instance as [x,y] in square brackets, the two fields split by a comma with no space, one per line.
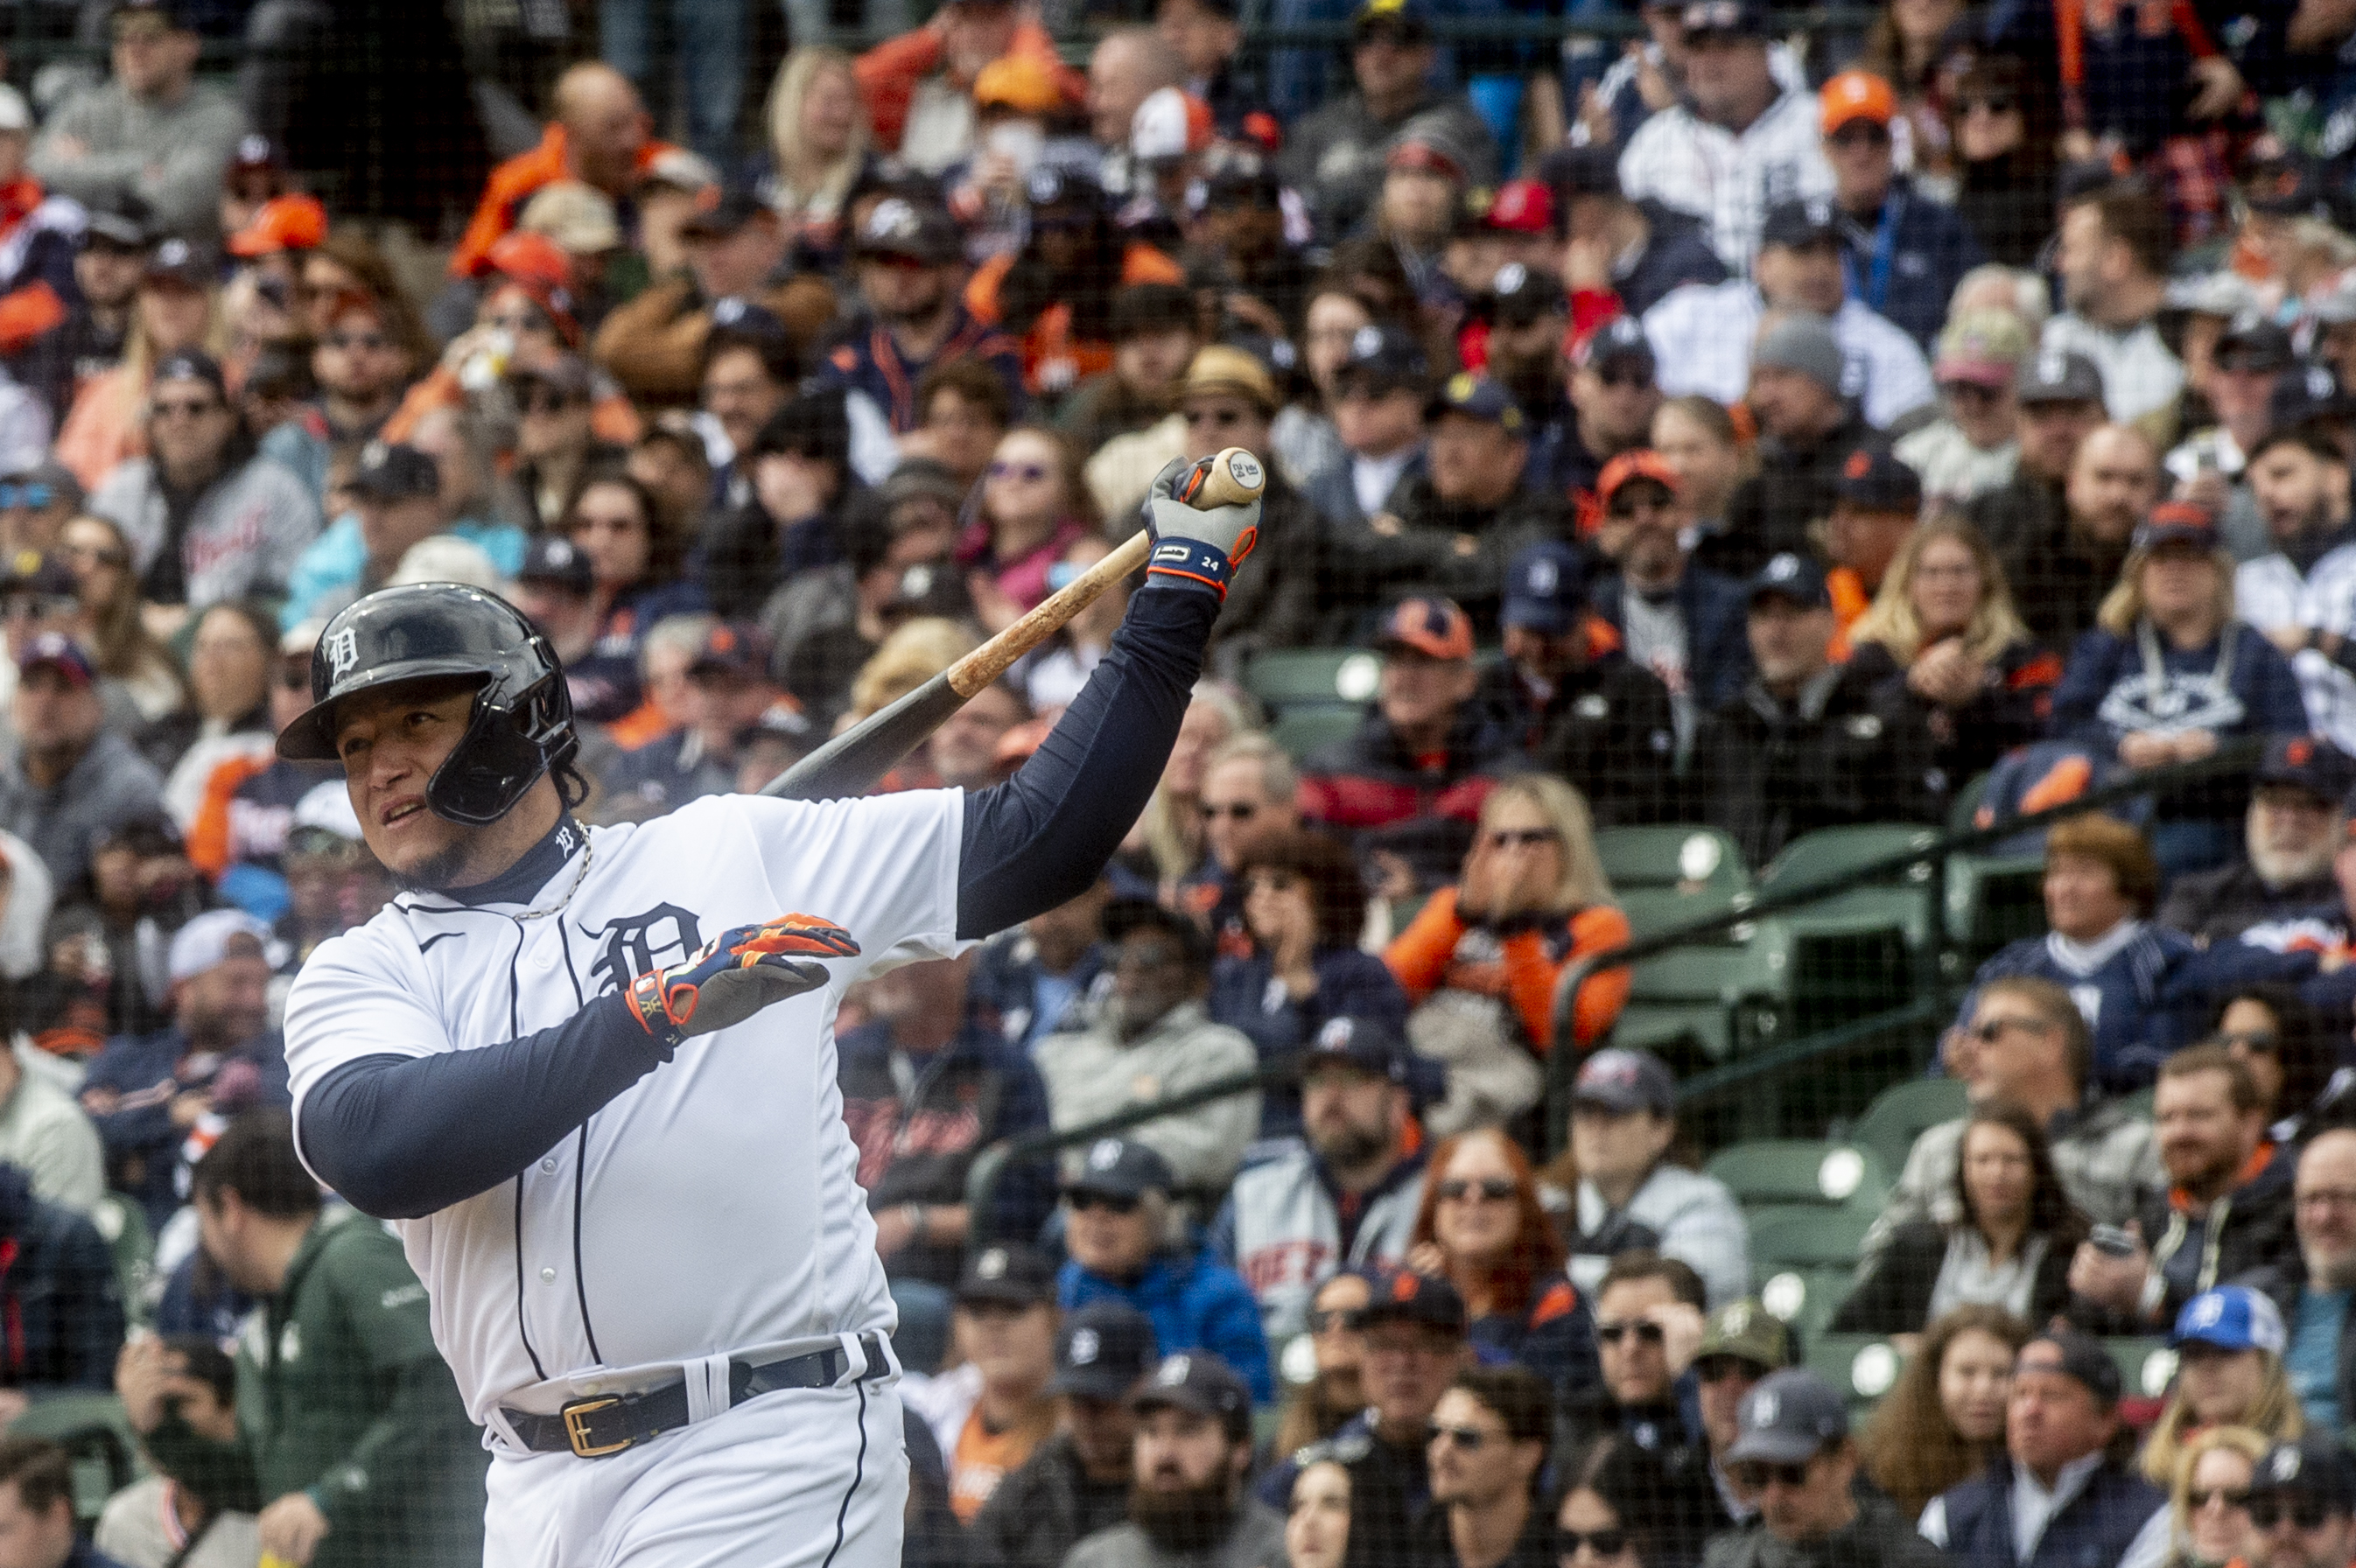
[853,761]
[589,1072]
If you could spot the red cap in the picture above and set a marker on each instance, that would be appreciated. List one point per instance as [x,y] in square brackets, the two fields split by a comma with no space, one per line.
[540,268]
[1433,628]
[1641,464]
[1418,154]
[1521,206]
[281,223]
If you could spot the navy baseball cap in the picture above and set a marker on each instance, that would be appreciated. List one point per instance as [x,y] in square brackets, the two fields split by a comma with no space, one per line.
[2177,523]
[1872,477]
[1367,1044]
[177,262]
[1737,19]
[1102,1351]
[390,471]
[1788,1419]
[1123,916]
[1792,577]
[1199,1381]
[731,648]
[558,562]
[2308,762]
[2059,376]
[1402,21]
[1403,1296]
[897,227]
[1385,356]
[1621,1080]
[1546,589]
[1518,296]
[1121,1167]
[1007,1273]
[724,216]
[2253,343]
[193,365]
[1476,396]
[2313,1466]
[1621,338]
[2077,1357]
[59,652]
[32,572]
[120,221]
[1798,224]
[2303,394]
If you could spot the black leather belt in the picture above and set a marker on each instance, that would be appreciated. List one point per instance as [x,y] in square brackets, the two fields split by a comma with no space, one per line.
[609,1423]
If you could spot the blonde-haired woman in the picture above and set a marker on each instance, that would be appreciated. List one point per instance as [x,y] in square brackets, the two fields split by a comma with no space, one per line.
[2209,1499]
[2168,673]
[2229,1373]
[1951,667]
[177,309]
[817,144]
[1480,959]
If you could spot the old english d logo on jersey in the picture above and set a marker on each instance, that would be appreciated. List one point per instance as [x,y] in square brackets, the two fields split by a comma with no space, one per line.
[638,944]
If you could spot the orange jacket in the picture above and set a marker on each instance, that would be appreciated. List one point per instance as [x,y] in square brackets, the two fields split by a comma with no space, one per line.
[888,74]
[1054,360]
[1851,599]
[511,184]
[1523,972]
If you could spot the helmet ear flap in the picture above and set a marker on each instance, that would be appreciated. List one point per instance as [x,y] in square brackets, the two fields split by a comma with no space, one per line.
[495,763]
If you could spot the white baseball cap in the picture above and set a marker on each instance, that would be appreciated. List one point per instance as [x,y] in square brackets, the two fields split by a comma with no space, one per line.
[205,942]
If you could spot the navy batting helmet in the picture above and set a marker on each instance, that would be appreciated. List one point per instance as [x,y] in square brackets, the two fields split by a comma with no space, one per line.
[522,723]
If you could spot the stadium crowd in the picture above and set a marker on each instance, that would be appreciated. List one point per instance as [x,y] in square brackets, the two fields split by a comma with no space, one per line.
[1745,430]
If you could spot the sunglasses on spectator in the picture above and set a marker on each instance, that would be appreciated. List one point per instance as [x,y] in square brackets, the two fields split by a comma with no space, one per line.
[2231,1496]
[2256,1041]
[1521,838]
[1603,1543]
[1860,133]
[2307,1513]
[1456,1188]
[1082,1202]
[1755,1477]
[89,555]
[1469,1438]
[374,342]
[1222,418]
[1029,473]
[1994,103]
[1717,1369]
[1993,1030]
[33,496]
[1236,810]
[1325,1319]
[1627,380]
[1647,1333]
[177,408]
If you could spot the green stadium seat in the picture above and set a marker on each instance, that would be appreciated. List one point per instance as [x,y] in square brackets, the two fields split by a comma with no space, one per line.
[1688,1037]
[98,1440]
[1862,1367]
[1993,901]
[123,1229]
[1900,1113]
[1828,852]
[1804,1262]
[1302,730]
[1293,677]
[1966,805]
[1803,1173]
[1672,856]
[2146,1366]
[1652,910]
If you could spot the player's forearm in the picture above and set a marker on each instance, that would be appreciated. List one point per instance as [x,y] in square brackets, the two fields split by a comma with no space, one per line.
[1042,838]
[402,1136]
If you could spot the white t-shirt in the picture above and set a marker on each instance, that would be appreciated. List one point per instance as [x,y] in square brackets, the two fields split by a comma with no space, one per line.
[710,1209]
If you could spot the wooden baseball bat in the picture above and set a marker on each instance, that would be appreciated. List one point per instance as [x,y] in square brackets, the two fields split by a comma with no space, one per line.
[851,762]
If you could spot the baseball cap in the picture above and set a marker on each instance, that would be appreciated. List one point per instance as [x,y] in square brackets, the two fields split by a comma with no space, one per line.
[281,223]
[2232,1318]
[730,648]
[2302,395]
[676,168]
[2059,376]
[920,478]
[1367,1043]
[1169,125]
[1222,368]
[1406,1296]
[1199,1381]
[1428,625]
[1622,337]
[578,215]
[1788,1419]
[1792,577]
[1640,463]
[1620,1079]
[1855,95]
[1121,1167]
[1803,344]
[1385,355]
[1520,206]
[1101,1352]
[1872,477]
[1546,589]
[1737,19]
[2177,523]
[393,470]
[15,114]
[724,216]
[2283,187]
[1125,915]
[1518,296]
[1476,397]
[1431,148]
[2075,1356]
[2253,343]
[1982,348]
[898,227]
[32,572]
[1019,83]
[2308,762]
[2226,293]
[2313,1466]
[1796,224]
[1399,20]
[1748,1332]
[211,939]
[121,222]
[59,652]
[1057,185]
[1007,1273]
[553,559]
[1242,179]
[177,262]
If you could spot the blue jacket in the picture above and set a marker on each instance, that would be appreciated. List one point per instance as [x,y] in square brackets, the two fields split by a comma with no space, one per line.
[1906,261]
[2093,1531]
[1349,984]
[1717,630]
[1195,1303]
[59,1294]
[141,1074]
[2140,1012]
[1004,994]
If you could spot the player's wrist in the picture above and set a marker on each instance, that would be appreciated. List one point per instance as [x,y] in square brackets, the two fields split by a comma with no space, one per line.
[1177,561]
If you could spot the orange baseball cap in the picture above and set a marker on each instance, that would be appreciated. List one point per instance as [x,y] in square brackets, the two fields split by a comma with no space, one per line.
[1431,626]
[1857,95]
[281,223]
[1018,82]
[1641,464]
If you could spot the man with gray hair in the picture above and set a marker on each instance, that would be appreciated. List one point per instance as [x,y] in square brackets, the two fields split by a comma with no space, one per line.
[1248,789]
[2297,821]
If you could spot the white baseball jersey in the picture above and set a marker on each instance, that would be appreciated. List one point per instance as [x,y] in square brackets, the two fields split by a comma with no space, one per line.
[1702,334]
[710,1209]
[2269,593]
[1727,180]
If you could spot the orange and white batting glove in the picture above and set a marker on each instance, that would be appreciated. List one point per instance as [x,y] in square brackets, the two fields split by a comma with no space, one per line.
[735,974]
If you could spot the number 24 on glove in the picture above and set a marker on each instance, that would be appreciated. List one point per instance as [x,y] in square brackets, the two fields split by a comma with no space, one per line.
[735,974]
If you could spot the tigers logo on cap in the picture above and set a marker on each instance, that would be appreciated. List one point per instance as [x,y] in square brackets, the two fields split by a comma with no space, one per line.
[1335,1035]
[992,1265]
[1761,1412]
[1084,1347]
[1173,1371]
[2284,1467]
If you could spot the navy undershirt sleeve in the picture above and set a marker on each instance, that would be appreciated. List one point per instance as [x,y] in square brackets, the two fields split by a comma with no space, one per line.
[402,1136]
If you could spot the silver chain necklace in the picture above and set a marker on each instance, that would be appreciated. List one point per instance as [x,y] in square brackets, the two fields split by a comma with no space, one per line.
[588,853]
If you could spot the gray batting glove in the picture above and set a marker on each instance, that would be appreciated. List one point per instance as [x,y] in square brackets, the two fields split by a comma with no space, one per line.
[1203,546]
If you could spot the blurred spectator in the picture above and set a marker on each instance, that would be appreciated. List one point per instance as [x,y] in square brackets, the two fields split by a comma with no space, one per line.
[924,1090]
[1903,252]
[1481,1226]
[1335,156]
[1056,294]
[1612,1497]
[1347,1198]
[1631,1195]
[205,518]
[1241,244]
[1304,907]
[38,1507]
[2030,520]
[374,1445]
[1681,622]
[176,313]
[2288,1047]
[158,1100]
[2011,1248]
[1613,394]
[963,411]
[1377,397]
[108,623]
[2228,1208]
[918,86]
[2026,1043]
[2208,1497]
[556,444]
[2229,1344]
[2113,259]
[2297,593]
[1077,1482]
[1806,432]
[993,1411]
[816,136]
[1974,447]
[1154,337]
[1127,66]
[2212,465]
[730,695]
[1174,832]
[806,503]
[1483,961]
[1877,501]
[1741,1345]
[1630,253]
[2301,1503]
[1127,1243]
[1249,792]
[556,588]
[1799,748]
[36,502]
[371,348]
[2311,1285]
[2295,824]
[1736,141]
[1948,666]
[152,1521]
[1227,398]
[1942,1422]
[73,778]
[399,498]
[2168,674]
[963,753]
[748,372]
[637,562]
[910,264]
[1527,316]
[1490,1434]
[1316,1410]
[1048,973]
[227,723]
[1648,1329]
[1156,1041]
[151,131]
[1034,506]
[2006,140]
[45,1135]
[600,137]
[108,264]
[1186,1496]
[1795,1453]
[1711,455]
[1317,1528]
